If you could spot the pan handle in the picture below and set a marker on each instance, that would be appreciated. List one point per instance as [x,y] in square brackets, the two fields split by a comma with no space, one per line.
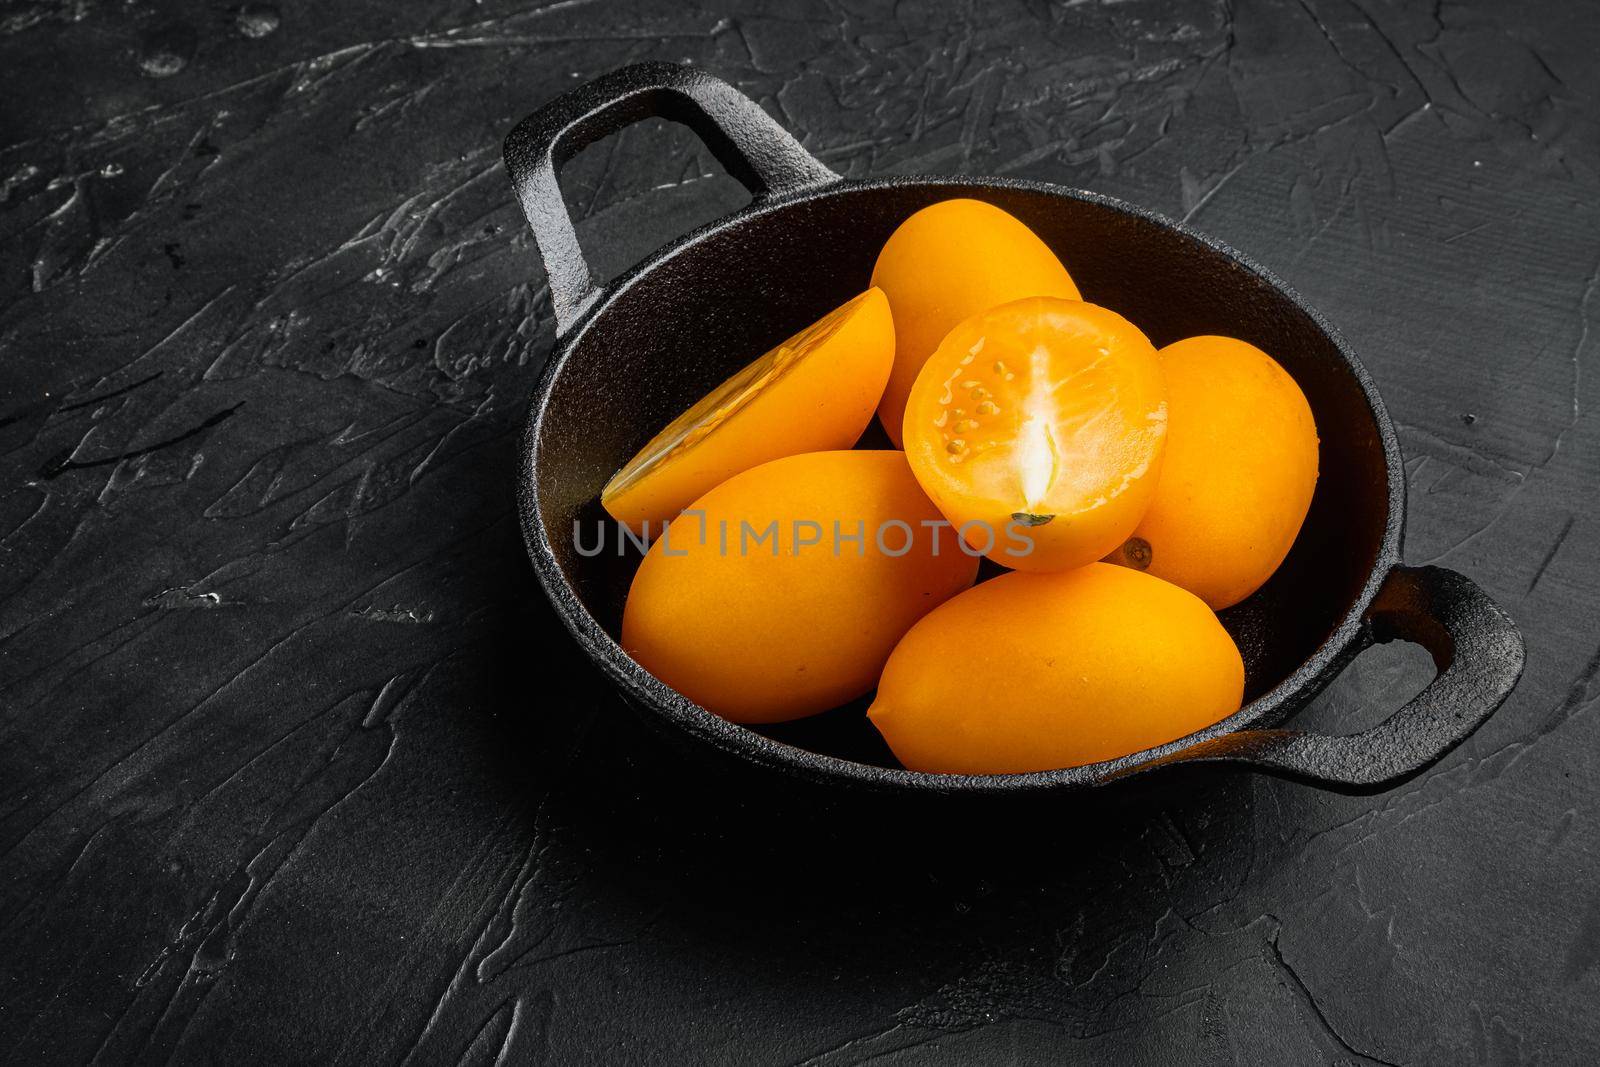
[1479,655]
[754,149]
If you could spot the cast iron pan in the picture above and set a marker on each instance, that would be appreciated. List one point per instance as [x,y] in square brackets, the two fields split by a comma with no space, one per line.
[632,353]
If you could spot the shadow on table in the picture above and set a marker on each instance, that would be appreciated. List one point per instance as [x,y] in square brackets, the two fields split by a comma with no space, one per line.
[821,878]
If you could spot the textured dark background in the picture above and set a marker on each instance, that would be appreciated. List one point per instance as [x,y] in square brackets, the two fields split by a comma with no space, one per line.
[295,764]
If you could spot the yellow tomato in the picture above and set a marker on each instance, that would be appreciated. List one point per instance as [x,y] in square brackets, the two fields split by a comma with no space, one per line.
[1239,473]
[815,391]
[945,264]
[1029,672]
[1038,428]
[781,592]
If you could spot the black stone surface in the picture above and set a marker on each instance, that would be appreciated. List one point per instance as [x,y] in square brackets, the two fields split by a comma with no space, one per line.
[296,765]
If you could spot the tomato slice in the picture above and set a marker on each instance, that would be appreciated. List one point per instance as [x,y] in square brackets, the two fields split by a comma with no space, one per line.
[1037,427]
[814,392]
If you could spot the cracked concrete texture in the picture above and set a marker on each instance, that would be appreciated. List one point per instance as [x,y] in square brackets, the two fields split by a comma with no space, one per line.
[296,765]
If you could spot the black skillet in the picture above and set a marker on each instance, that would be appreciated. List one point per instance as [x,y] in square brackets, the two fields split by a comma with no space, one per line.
[630,354]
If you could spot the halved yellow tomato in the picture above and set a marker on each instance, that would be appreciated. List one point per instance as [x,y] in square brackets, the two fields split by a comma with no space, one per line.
[1038,428]
[814,392]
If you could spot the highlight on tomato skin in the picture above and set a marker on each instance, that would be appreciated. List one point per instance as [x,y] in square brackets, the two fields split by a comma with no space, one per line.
[949,261]
[815,391]
[1043,417]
